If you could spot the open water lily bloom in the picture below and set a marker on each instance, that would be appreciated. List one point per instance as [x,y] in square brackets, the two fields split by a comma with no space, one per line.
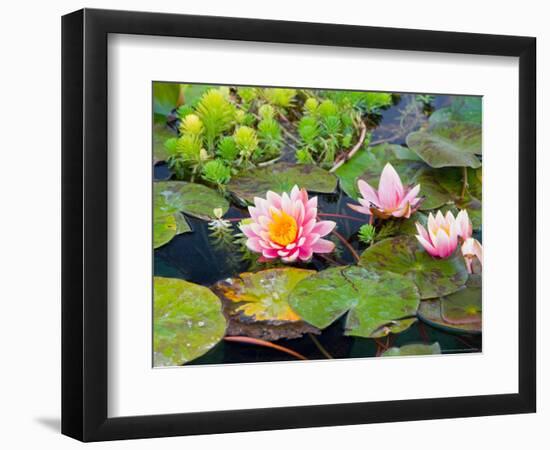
[391,199]
[286,227]
[441,238]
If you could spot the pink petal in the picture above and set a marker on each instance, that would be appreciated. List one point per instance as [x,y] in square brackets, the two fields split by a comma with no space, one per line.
[270,254]
[464,224]
[324,227]
[368,193]
[312,203]
[311,213]
[390,188]
[295,194]
[411,195]
[442,244]
[305,253]
[286,204]
[310,239]
[427,246]
[422,232]
[247,231]
[360,209]
[308,227]
[323,246]
[254,245]
[292,257]
[264,222]
[274,199]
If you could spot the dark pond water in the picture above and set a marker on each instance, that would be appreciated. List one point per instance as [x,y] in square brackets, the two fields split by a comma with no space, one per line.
[194,257]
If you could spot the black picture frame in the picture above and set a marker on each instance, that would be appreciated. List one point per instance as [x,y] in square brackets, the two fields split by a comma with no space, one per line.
[84,224]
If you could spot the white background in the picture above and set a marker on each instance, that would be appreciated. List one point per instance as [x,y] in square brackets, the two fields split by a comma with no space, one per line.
[135,389]
[30,118]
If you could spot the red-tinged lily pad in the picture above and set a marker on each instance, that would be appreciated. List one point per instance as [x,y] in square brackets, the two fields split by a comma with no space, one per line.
[187,321]
[256,304]
[281,177]
[376,303]
[403,255]
[414,350]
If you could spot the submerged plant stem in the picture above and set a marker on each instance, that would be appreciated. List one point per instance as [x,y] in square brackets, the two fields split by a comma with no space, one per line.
[254,341]
[341,216]
[347,244]
[320,347]
[464,182]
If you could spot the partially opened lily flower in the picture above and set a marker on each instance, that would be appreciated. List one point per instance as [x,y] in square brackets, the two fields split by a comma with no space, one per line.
[286,226]
[471,248]
[441,238]
[391,199]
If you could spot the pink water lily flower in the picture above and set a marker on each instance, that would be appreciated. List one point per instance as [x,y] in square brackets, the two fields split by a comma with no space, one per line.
[471,248]
[286,226]
[441,238]
[391,199]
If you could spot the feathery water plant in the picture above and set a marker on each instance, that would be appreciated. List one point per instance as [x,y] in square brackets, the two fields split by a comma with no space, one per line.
[269,132]
[280,97]
[246,141]
[227,149]
[217,115]
[216,172]
[192,125]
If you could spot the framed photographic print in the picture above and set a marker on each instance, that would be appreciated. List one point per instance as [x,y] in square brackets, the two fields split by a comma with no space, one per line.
[268,224]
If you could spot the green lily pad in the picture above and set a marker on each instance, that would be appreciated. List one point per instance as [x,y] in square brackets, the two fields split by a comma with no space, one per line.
[281,177]
[448,144]
[434,277]
[191,198]
[377,303]
[161,134]
[462,109]
[256,304]
[164,229]
[460,311]
[414,349]
[187,321]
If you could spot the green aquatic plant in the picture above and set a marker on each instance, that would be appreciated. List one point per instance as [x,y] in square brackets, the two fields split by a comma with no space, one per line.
[216,172]
[269,132]
[246,141]
[217,115]
[227,149]
[367,234]
[280,97]
[191,125]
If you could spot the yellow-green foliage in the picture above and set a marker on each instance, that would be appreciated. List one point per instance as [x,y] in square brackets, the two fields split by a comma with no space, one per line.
[246,141]
[192,125]
[216,172]
[311,105]
[188,147]
[217,115]
[266,112]
[247,94]
[280,97]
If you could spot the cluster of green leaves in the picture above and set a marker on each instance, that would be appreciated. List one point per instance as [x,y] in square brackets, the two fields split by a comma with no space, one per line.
[222,131]
[325,128]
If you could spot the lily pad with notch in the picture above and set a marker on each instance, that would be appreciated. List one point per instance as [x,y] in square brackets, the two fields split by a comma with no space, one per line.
[376,303]
[190,198]
[403,255]
[281,177]
[187,321]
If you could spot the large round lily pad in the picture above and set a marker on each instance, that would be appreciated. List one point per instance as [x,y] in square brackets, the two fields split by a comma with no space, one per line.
[377,303]
[256,304]
[414,350]
[459,312]
[280,178]
[191,198]
[187,321]
[448,144]
[403,255]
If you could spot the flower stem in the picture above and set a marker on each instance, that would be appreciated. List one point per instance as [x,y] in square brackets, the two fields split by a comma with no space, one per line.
[347,244]
[341,216]
[320,347]
[464,182]
[254,341]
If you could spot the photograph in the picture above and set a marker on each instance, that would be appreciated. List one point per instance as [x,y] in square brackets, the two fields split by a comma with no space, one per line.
[294,223]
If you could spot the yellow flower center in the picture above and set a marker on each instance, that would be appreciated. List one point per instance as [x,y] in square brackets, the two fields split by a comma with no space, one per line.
[283,228]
